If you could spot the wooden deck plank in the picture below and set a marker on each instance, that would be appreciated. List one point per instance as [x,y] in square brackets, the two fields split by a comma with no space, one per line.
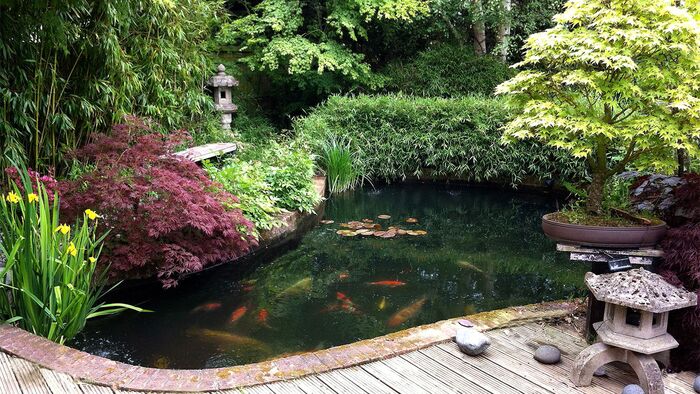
[341,383]
[312,385]
[417,375]
[29,377]
[59,382]
[570,348]
[565,340]
[261,389]
[482,371]
[515,370]
[393,379]
[8,381]
[466,379]
[86,388]
[287,387]
[366,380]
[513,348]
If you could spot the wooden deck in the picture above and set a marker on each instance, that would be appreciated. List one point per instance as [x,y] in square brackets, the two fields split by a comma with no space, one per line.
[507,367]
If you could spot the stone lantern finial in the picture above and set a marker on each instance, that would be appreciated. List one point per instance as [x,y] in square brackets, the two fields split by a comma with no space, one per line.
[222,85]
[637,303]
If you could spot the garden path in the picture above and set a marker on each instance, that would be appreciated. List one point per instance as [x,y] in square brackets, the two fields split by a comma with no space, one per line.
[506,367]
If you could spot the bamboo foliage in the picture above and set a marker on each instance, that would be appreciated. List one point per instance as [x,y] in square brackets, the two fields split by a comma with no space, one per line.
[74,67]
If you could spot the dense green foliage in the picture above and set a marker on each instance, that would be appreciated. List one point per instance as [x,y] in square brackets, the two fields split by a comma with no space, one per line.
[393,137]
[614,82]
[447,71]
[71,68]
[49,284]
[305,41]
[267,179]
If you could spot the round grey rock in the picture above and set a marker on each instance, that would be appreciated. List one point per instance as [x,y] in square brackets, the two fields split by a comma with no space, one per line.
[696,384]
[548,354]
[471,341]
[600,372]
[633,389]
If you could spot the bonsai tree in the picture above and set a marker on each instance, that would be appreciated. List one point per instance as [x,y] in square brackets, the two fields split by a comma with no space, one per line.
[615,82]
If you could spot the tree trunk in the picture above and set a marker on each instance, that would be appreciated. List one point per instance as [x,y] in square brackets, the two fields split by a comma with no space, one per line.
[682,159]
[594,201]
[503,32]
[479,28]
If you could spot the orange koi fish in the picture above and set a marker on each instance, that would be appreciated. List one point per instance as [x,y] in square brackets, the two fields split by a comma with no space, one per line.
[343,275]
[238,314]
[262,315]
[388,283]
[208,307]
[406,313]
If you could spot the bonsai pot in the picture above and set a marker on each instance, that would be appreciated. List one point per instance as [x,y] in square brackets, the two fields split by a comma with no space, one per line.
[631,237]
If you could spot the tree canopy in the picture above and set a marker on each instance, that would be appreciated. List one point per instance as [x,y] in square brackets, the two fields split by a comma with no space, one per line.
[615,82]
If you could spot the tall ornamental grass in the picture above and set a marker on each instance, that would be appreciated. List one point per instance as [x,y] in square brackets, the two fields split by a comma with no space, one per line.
[337,162]
[50,286]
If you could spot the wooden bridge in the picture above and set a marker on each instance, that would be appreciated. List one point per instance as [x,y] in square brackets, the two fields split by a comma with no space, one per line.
[507,367]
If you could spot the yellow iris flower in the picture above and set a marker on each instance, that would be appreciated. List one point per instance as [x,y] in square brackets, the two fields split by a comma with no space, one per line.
[92,259]
[33,197]
[63,228]
[12,197]
[92,215]
[72,250]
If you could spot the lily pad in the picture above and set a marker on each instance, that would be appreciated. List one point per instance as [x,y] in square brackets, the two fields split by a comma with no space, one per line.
[368,233]
[411,220]
[367,220]
[327,221]
[384,217]
[379,233]
[420,232]
[401,231]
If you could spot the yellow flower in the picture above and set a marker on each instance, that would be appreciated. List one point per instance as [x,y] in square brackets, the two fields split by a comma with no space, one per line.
[33,197]
[92,215]
[72,250]
[64,229]
[12,197]
[92,259]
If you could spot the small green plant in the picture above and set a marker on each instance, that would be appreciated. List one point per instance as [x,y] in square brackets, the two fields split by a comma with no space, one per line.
[337,162]
[49,282]
[268,178]
[246,180]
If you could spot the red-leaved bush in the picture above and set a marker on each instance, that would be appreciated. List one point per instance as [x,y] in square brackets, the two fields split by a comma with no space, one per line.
[48,182]
[165,216]
[681,266]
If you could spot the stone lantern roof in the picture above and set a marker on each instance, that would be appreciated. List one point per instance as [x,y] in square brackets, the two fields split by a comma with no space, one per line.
[222,79]
[639,289]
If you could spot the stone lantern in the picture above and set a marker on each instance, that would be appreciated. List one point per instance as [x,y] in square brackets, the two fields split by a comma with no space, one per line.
[637,303]
[222,85]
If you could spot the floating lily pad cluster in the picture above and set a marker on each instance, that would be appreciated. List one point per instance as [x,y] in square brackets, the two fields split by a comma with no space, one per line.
[368,228]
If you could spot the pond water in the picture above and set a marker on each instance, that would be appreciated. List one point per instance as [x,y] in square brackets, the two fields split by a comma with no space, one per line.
[483,250]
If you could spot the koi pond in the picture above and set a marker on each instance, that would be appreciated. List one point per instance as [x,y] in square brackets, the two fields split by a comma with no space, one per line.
[374,270]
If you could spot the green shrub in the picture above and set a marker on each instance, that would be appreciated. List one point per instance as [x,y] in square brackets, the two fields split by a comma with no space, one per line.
[247,181]
[447,71]
[394,136]
[49,284]
[269,177]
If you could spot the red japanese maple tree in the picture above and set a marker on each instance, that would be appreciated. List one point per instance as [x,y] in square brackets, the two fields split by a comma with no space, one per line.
[165,216]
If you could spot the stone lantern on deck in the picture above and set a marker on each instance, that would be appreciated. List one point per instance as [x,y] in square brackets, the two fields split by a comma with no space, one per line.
[222,85]
[637,303]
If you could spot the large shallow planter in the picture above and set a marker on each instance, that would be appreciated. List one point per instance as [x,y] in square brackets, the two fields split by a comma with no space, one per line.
[599,236]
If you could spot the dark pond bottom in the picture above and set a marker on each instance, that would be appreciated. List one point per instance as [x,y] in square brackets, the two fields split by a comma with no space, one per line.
[483,250]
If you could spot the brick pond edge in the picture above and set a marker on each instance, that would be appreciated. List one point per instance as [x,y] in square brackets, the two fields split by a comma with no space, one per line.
[101,371]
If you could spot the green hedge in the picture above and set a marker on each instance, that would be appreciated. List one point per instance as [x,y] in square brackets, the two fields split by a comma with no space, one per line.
[394,136]
[446,71]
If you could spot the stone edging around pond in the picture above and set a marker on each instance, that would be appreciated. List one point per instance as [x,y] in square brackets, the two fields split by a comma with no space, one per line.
[101,371]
